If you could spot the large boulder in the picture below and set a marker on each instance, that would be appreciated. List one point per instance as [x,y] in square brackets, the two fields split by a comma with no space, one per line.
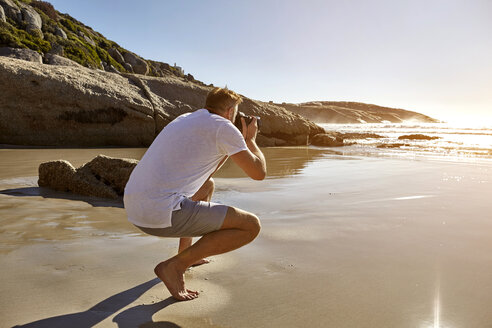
[52,59]
[21,53]
[32,19]
[113,172]
[138,64]
[71,106]
[104,176]
[113,52]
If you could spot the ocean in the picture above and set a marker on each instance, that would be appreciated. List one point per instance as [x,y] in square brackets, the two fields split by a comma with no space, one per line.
[452,141]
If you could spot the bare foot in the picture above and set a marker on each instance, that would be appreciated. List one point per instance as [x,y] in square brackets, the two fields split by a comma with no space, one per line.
[173,278]
[200,262]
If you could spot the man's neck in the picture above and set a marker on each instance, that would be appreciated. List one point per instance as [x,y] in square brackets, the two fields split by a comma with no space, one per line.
[213,112]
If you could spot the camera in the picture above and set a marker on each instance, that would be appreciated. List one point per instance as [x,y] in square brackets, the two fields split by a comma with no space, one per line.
[247,119]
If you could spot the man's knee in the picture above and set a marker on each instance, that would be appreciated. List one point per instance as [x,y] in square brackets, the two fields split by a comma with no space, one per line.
[254,224]
[239,219]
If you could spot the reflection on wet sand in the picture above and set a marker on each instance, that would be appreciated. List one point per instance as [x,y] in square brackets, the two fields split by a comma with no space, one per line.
[281,161]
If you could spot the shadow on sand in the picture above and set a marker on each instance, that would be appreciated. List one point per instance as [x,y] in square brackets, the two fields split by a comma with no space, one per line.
[137,316]
[49,193]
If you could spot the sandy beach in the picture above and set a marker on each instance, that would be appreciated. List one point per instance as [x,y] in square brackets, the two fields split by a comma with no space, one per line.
[346,241]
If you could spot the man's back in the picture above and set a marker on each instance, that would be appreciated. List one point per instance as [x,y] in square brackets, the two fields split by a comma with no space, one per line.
[179,161]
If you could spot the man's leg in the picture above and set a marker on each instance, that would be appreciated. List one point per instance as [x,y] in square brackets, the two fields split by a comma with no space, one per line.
[239,228]
[203,194]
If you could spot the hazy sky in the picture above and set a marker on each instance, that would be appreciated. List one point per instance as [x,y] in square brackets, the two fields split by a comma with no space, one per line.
[433,57]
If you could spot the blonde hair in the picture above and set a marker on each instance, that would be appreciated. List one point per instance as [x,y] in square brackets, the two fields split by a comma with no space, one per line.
[221,99]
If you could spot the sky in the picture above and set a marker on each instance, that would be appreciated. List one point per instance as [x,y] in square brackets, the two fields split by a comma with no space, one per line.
[431,56]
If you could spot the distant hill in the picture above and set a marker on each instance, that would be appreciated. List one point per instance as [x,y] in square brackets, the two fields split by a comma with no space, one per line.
[354,112]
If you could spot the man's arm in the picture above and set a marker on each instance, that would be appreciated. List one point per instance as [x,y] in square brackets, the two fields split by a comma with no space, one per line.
[252,160]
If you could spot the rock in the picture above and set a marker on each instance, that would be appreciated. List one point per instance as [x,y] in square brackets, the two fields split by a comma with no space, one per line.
[103,176]
[326,140]
[138,64]
[113,52]
[3,18]
[89,40]
[416,137]
[56,49]
[11,10]
[21,53]
[60,32]
[56,175]
[52,59]
[110,68]
[32,19]
[49,105]
[128,67]
[114,172]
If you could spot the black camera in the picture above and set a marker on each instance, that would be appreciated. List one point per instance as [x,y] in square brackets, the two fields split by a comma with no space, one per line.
[247,119]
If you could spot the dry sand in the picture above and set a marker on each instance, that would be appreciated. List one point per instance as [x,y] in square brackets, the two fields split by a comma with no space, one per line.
[346,241]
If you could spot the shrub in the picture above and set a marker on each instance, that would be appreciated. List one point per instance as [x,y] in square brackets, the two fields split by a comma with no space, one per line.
[46,7]
[105,56]
[69,25]
[11,36]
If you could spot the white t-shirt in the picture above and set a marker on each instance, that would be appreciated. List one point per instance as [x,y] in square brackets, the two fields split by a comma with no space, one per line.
[182,157]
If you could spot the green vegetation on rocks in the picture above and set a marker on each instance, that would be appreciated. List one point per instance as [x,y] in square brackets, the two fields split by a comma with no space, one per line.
[65,36]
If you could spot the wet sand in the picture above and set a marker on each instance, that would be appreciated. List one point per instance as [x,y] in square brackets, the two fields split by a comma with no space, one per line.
[347,241]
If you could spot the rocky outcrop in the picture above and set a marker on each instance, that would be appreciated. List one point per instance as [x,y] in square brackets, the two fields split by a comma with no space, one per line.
[138,64]
[353,112]
[75,106]
[52,59]
[417,137]
[103,176]
[327,140]
[71,106]
[24,54]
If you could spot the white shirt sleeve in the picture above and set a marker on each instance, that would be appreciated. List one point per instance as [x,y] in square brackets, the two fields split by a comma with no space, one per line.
[230,140]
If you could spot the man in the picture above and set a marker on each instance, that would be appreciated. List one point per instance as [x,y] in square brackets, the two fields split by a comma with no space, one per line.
[169,191]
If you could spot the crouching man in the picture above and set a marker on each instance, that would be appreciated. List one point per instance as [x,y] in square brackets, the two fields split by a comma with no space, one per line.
[169,191]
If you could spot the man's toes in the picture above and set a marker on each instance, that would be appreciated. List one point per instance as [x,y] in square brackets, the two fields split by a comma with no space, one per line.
[192,291]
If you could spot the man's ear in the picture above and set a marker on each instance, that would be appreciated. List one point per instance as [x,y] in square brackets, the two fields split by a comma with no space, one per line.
[230,112]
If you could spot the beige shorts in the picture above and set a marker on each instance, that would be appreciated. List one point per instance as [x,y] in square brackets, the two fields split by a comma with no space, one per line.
[192,220]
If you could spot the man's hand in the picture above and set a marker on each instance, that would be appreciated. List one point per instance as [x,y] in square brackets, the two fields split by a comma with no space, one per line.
[252,160]
[250,131]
